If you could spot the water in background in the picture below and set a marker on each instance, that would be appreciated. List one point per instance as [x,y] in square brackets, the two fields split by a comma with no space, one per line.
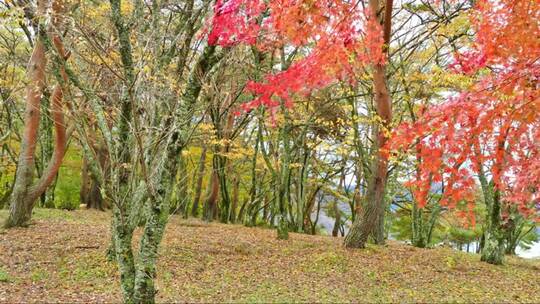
[327,224]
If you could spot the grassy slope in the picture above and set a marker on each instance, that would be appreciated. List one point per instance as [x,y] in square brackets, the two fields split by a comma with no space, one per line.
[61,258]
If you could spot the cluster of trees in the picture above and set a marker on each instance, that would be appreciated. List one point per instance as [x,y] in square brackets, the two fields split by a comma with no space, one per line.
[412,119]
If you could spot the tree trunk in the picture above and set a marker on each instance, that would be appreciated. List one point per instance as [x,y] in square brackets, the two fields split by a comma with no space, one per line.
[422,226]
[90,192]
[514,229]
[25,191]
[283,181]
[181,185]
[337,222]
[198,184]
[46,199]
[84,192]
[225,200]
[266,209]
[122,238]
[418,235]
[253,202]
[493,246]
[372,214]
[20,200]
[144,289]
[122,231]
[234,200]
[481,243]
[210,204]
[493,249]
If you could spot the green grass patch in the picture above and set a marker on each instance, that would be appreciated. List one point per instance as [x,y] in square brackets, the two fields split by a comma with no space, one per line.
[4,275]
[325,263]
[39,275]
[267,292]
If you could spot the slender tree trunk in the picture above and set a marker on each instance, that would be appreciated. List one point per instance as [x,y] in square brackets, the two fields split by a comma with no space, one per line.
[266,210]
[122,231]
[210,204]
[337,222]
[84,192]
[481,243]
[225,199]
[182,199]
[158,206]
[198,184]
[158,210]
[46,199]
[283,180]
[234,199]
[515,232]
[371,220]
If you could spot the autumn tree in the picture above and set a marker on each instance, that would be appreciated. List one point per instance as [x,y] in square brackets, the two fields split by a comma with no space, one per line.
[486,134]
[339,38]
[143,113]
[369,223]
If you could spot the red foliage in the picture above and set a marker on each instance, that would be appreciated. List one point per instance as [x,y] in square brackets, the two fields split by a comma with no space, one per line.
[494,126]
[335,37]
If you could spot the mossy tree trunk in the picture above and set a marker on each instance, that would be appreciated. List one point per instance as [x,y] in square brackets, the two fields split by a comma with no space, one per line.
[494,233]
[423,222]
[493,249]
[122,229]
[492,245]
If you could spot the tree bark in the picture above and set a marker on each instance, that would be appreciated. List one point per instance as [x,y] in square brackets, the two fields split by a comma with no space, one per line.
[234,199]
[210,204]
[122,232]
[90,193]
[493,249]
[198,184]
[25,191]
[371,219]
[494,238]
[337,222]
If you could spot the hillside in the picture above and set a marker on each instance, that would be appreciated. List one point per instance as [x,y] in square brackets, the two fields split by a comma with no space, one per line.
[61,258]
